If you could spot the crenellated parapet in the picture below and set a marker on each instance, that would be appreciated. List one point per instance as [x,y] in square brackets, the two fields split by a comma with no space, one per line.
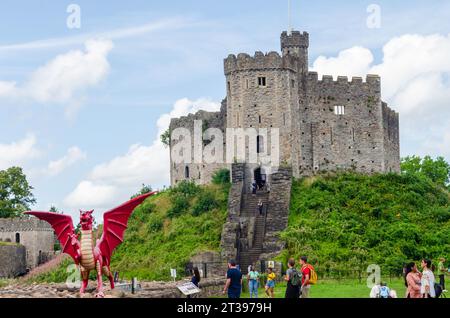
[260,61]
[23,225]
[371,81]
[294,39]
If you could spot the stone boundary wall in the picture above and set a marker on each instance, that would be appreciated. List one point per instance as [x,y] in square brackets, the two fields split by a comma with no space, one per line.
[230,229]
[277,217]
[12,261]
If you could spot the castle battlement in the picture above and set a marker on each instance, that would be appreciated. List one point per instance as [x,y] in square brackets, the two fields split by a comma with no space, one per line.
[260,61]
[19,225]
[295,39]
[370,79]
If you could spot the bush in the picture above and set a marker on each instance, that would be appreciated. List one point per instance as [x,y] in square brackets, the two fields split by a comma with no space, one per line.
[221,177]
[205,203]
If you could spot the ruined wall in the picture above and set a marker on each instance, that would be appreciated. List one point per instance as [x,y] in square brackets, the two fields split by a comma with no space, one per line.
[37,237]
[199,170]
[12,260]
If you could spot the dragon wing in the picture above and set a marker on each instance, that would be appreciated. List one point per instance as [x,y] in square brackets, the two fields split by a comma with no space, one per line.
[114,225]
[63,226]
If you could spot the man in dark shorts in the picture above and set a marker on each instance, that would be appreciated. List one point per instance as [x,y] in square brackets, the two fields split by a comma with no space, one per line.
[293,279]
[234,281]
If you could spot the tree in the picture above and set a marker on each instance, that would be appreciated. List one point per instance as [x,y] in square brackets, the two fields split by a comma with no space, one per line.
[15,193]
[165,138]
[437,170]
[144,190]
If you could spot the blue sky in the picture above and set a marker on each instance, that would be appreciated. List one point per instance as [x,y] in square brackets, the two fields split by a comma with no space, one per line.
[167,51]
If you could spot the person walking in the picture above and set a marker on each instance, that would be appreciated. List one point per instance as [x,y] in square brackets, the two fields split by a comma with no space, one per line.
[270,284]
[233,285]
[427,281]
[196,277]
[412,281]
[260,207]
[306,276]
[253,282]
[293,279]
[442,271]
[254,187]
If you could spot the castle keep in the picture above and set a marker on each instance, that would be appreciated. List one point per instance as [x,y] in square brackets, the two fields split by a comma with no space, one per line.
[323,124]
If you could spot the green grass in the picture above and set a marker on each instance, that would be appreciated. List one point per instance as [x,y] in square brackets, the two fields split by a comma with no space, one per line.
[347,288]
[170,228]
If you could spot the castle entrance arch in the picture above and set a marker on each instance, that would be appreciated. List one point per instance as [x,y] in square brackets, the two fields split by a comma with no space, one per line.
[260,177]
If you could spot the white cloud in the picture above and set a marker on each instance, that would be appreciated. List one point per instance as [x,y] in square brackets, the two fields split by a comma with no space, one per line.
[18,153]
[87,195]
[64,78]
[415,73]
[74,155]
[120,33]
[351,62]
[123,175]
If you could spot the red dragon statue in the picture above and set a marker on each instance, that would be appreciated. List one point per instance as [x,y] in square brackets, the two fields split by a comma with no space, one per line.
[86,254]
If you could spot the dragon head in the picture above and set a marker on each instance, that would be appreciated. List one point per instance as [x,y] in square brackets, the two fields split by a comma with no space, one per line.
[86,220]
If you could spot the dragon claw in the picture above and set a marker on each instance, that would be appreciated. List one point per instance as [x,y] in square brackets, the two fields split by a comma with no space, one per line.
[100,295]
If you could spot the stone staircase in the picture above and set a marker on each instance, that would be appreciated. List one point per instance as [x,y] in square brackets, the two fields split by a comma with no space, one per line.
[251,254]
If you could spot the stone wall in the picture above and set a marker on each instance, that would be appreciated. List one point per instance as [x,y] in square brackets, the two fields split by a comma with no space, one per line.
[196,168]
[229,239]
[353,140]
[37,237]
[12,260]
[278,212]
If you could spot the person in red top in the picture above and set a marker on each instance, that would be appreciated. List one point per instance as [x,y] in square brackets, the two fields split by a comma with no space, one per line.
[306,275]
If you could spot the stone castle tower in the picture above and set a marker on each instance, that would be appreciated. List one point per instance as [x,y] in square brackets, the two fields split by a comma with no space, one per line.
[324,124]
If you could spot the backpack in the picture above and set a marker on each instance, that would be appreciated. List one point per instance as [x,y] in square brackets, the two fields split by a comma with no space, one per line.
[384,292]
[296,278]
[312,275]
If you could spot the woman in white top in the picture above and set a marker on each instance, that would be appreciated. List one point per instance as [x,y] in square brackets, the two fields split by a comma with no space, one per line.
[427,282]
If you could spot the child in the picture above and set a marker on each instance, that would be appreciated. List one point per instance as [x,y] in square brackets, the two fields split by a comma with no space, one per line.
[270,285]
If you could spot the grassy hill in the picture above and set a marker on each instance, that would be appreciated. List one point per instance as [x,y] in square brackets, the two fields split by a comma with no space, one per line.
[342,222]
[168,229]
[348,221]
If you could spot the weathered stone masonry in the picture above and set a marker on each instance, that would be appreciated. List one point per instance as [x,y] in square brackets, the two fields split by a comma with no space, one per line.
[37,237]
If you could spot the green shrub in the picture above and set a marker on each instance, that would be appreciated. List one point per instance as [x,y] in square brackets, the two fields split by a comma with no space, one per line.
[221,177]
[205,203]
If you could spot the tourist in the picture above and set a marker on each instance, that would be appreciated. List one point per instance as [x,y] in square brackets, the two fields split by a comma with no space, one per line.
[234,281]
[412,281]
[268,187]
[196,277]
[254,187]
[442,271]
[293,279]
[260,207]
[270,284]
[306,276]
[427,281]
[253,282]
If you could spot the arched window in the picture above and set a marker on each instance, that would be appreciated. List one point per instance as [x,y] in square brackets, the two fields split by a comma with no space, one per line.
[17,238]
[186,172]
